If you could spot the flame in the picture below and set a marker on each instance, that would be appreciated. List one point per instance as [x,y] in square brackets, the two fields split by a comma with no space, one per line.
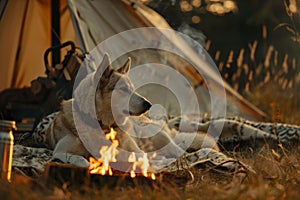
[111,135]
[142,163]
[108,154]
[132,158]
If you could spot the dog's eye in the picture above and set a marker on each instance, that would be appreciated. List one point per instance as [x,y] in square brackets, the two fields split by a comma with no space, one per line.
[125,89]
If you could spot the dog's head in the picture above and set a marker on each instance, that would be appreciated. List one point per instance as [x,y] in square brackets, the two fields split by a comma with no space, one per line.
[115,81]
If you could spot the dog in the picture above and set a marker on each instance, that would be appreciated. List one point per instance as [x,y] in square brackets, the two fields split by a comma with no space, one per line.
[135,125]
[58,131]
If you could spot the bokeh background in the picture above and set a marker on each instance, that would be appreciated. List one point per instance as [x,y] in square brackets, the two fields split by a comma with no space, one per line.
[255,44]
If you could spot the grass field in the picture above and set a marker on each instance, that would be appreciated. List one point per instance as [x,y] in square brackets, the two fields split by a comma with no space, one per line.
[277,175]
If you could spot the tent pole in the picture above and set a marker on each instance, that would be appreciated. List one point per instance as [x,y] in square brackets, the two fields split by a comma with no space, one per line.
[75,21]
[55,30]
[2,7]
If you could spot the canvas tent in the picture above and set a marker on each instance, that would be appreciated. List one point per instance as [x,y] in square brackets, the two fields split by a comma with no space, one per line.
[27,31]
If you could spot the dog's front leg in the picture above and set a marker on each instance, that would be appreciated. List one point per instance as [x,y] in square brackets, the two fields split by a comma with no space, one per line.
[70,150]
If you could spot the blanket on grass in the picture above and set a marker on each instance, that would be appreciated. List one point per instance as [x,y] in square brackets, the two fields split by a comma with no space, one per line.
[237,135]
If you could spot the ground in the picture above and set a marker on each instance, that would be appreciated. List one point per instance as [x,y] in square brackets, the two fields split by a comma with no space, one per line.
[276,176]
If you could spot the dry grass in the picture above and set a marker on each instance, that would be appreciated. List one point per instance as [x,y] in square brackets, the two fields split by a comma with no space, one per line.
[280,105]
[277,177]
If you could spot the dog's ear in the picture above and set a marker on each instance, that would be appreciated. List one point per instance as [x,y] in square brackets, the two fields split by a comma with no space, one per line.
[126,67]
[105,64]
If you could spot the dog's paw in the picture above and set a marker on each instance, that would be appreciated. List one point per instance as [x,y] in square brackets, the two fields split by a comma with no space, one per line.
[79,161]
[68,158]
[174,123]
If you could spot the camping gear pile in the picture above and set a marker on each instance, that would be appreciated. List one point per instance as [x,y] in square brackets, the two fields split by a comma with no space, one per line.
[27,106]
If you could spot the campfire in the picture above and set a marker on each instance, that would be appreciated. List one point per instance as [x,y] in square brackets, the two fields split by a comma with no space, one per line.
[103,165]
[104,171]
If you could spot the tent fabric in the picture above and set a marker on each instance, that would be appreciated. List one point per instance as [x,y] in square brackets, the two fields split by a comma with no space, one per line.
[141,16]
[25,34]
[101,19]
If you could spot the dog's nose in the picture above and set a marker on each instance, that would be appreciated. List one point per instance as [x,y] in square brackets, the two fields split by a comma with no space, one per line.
[147,105]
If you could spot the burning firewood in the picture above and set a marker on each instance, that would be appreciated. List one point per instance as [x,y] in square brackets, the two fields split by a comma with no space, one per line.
[108,156]
[107,171]
[59,174]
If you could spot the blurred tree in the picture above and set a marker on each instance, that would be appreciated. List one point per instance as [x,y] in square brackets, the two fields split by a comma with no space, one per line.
[248,27]
[234,28]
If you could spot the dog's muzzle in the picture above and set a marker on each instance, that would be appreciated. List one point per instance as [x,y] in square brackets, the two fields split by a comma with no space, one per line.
[142,107]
